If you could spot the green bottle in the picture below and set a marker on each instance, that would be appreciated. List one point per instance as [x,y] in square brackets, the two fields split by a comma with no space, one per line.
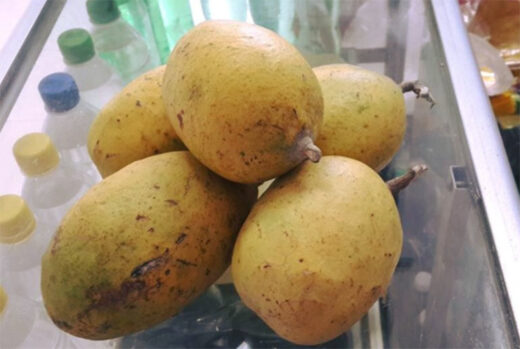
[265,13]
[134,12]
[170,20]
[225,9]
[116,41]
[277,15]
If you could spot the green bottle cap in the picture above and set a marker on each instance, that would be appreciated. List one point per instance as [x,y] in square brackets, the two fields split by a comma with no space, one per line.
[102,11]
[76,46]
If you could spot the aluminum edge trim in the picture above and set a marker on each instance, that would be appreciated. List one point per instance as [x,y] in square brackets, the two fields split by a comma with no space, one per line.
[18,35]
[16,75]
[498,191]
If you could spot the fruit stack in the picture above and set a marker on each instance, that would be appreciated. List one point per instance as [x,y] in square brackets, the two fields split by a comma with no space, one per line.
[182,150]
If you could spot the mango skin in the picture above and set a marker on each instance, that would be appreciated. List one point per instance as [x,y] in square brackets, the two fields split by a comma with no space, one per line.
[240,97]
[132,126]
[141,245]
[364,116]
[318,249]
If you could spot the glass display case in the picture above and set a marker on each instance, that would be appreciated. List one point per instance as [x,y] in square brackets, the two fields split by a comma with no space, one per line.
[457,282]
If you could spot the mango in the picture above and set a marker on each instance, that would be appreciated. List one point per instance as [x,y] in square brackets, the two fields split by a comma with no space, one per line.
[318,249]
[141,245]
[243,100]
[364,116]
[132,126]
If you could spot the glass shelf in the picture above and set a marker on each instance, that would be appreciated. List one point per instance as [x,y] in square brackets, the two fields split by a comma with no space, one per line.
[457,282]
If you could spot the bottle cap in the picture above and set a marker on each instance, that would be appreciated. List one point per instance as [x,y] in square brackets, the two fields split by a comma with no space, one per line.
[3,300]
[59,92]
[102,11]
[16,220]
[76,46]
[35,154]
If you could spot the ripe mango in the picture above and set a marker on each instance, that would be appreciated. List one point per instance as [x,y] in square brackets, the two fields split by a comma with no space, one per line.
[318,249]
[364,116]
[243,100]
[132,126]
[141,245]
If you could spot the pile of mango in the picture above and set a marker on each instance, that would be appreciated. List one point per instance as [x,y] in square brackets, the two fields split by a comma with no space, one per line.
[182,150]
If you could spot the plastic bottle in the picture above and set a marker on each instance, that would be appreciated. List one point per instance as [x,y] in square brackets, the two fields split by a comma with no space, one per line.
[24,283]
[23,240]
[23,324]
[134,12]
[265,13]
[316,33]
[68,120]
[87,69]
[277,15]
[51,186]
[116,41]
[170,20]
[225,9]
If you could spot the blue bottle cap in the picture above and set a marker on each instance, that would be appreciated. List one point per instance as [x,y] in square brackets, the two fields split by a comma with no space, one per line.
[59,92]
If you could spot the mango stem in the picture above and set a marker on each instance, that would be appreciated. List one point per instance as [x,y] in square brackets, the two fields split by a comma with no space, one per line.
[399,183]
[312,152]
[420,90]
[309,149]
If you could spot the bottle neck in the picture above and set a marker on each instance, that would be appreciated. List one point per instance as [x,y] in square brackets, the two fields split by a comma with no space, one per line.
[52,111]
[108,24]
[47,174]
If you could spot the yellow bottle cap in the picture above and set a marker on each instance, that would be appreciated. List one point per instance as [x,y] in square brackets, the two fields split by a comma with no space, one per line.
[3,300]
[16,219]
[35,154]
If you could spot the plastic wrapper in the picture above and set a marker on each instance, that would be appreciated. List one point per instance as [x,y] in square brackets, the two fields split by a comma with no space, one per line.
[499,21]
[217,319]
[468,9]
[495,74]
[493,32]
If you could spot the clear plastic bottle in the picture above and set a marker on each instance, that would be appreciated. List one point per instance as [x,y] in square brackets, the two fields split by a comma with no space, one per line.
[23,240]
[134,13]
[87,69]
[266,13]
[68,120]
[315,22]
[170,20]
[24,324]
[277,15]
[51,186]
[116,41]
[24,283]
[225,9]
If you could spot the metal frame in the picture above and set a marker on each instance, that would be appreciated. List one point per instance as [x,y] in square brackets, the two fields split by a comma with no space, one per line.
[499,197]
[23,62]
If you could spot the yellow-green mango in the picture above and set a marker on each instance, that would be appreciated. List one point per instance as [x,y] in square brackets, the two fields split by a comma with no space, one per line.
[141,245]
[243,100]
[364,116]
[318,249]
[132,126]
